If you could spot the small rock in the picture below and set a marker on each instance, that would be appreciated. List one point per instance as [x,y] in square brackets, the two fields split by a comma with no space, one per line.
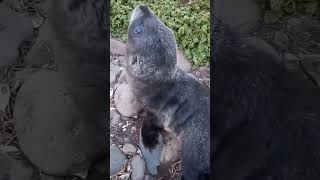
[193,76]
[115,118]
[4,96]
[114,72]
[126,103]
[281,40]
[182,62]
[12,169]
[148,177]
[8,149]
[99,170]
[122,78]
[291,61]
[138,168]
[42,51]
[122,60]
[44,129]
[260,44]
[22,169]
[133,128]
[126,140]
[129,149]
[125,176]
[5,165]
[117,160]
[117,47]
[48,177]
[311,64]
[290,57]
[14,28]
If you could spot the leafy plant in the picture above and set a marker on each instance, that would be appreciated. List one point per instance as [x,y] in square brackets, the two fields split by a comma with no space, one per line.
[189,21]
[279,9]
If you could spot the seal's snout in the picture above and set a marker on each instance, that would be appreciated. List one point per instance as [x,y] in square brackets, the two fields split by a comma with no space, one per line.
[140,11]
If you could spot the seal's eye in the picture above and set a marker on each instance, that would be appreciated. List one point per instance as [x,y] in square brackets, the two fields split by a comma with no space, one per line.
[139,29]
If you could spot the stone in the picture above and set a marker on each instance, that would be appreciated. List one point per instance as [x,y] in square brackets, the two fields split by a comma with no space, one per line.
[125,101]
[4,96]
[52,127]
[22,169]
[14,28]
[262,45]
[8,149]
[311,63]
[193,76]
[114,72]
[117,160]
[122,78]
[133,128]
[148,177]
[138,168]
[99,170]
[5,166]
[117,47]
[42,51]
[281,40]
[126,140]
[13,169]
[291,61]
[114,118]
[241,15]
[182,62]
[129,149]
[48,177]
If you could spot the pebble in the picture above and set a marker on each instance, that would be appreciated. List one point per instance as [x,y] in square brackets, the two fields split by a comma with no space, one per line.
[126,103]
[114,72]
[126,140]
[281,40]
[133,128]
[117,160]
[14,28]
[138,168]
[117,47]
[122,78]
[129,149]
[48,177]
[183,63]
[115,118]
[4,96]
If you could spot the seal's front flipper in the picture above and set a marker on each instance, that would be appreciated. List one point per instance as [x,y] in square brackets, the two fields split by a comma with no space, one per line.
[151,143]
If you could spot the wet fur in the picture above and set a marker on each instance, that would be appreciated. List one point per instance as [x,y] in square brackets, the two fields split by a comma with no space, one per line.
[179,103]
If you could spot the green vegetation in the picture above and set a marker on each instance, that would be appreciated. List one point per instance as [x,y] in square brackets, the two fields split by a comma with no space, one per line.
[190,23]
[277,10]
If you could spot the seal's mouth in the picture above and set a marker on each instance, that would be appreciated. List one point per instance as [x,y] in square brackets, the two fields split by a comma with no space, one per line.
[140,11]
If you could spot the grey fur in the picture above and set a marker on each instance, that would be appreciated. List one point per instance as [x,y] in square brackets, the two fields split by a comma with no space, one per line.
[180,103]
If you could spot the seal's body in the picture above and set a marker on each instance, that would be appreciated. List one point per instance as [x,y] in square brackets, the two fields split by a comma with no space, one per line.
[179,103]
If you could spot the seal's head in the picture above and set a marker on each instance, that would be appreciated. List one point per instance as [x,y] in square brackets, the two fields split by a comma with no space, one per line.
[151,47]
